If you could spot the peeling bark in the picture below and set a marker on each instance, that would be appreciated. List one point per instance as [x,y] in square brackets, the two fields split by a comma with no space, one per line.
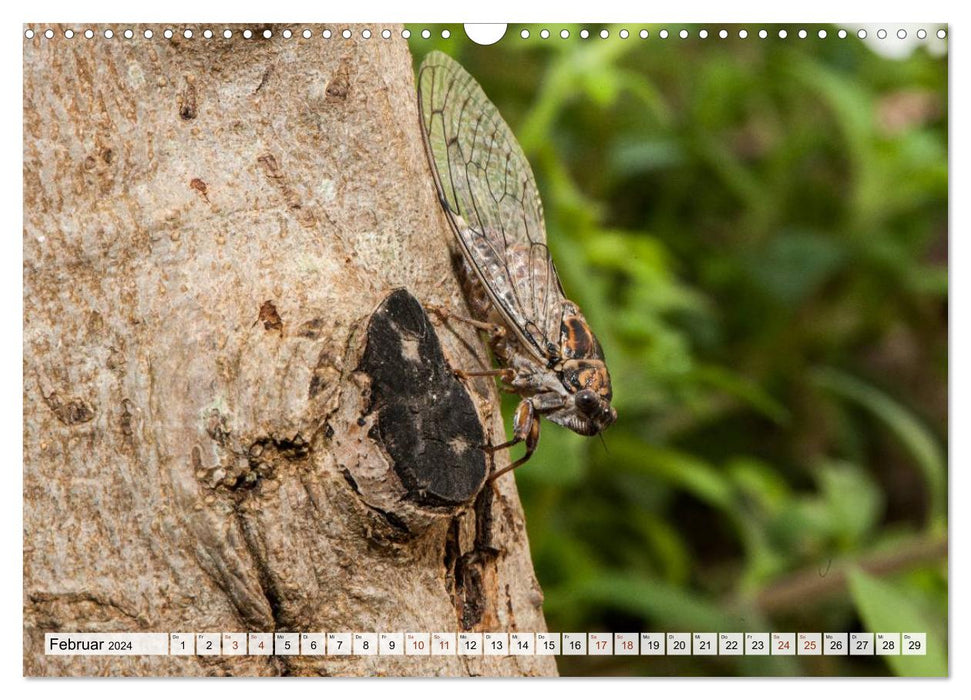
[213,233]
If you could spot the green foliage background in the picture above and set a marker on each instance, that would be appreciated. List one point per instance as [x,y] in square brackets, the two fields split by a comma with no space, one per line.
[757,231]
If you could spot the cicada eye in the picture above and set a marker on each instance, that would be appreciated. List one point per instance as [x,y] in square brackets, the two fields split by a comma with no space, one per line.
[587,401]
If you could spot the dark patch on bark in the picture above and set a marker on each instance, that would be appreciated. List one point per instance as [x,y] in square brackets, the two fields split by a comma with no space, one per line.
[311,329]
[465,572]
[71,411]
[452,552]
[126,419]
[276,175]
[253,540]
[187,102]
[483,523]
[426,420]
[200,186]
[217,427]
[270,317]
[290,449]
[324,371]
[340,84]
[471,593]
[266,76]
[397,529]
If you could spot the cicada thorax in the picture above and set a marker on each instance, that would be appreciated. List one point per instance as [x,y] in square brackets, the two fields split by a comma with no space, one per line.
[583,365]
[577,341]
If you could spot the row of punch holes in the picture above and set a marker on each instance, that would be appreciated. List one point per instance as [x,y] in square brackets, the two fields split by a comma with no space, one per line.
[445,34]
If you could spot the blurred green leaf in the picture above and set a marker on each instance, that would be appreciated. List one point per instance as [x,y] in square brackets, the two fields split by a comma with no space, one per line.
[747,391]
[793,264]
[885,607]
[666,606]
[907,428]
[676,468]
[852,499]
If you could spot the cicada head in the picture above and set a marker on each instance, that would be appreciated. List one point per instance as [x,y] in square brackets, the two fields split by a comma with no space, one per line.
[583,374]
[587,410]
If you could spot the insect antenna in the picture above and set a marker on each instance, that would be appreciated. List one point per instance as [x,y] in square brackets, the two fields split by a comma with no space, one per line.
[603,442]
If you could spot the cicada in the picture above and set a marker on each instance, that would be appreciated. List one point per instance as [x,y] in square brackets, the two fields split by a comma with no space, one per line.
[546,350]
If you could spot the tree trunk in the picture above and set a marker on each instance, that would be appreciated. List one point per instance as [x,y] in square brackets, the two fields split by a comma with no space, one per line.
[232,421]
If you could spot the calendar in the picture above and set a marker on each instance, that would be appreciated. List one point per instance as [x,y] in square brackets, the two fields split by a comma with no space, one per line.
[506,349]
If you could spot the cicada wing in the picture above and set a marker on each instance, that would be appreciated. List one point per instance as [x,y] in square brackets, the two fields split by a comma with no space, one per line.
[489,194]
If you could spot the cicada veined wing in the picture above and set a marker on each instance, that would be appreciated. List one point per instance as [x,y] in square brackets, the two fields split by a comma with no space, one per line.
[489,193]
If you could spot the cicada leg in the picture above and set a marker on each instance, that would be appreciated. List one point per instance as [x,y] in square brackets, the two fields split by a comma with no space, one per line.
[505,374]
[525,428]
[494,330]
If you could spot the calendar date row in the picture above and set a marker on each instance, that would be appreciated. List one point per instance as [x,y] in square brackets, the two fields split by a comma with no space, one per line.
[488,643]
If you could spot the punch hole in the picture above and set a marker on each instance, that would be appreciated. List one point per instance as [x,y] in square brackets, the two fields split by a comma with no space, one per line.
[861,34]
[683,34]
[247,34]
[486,34]
[723,34]
[803,34]
[584,34]
[623,33]
[366,33]
[742,34]
[405,33]
[168,33]
[663,33]
[49,34]
[703,33]
[109,34]
[267,34]
[207,33]
[644,34]
[446,34]
[604,33]
[327,34]
[841,33]
[68,33]
[386,34]
[148,34]
[941,34]
[29,34]
[821,33]
[783,33]
[524,34]
[881,34]
[564,33]
[88,33]
[544,34]
[902,34]
[921,34]
[128,33]
[287,34]
[763,34]
[187,33]
[425,34]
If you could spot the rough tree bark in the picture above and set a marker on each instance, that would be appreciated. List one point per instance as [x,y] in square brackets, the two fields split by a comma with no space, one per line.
[232,422]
